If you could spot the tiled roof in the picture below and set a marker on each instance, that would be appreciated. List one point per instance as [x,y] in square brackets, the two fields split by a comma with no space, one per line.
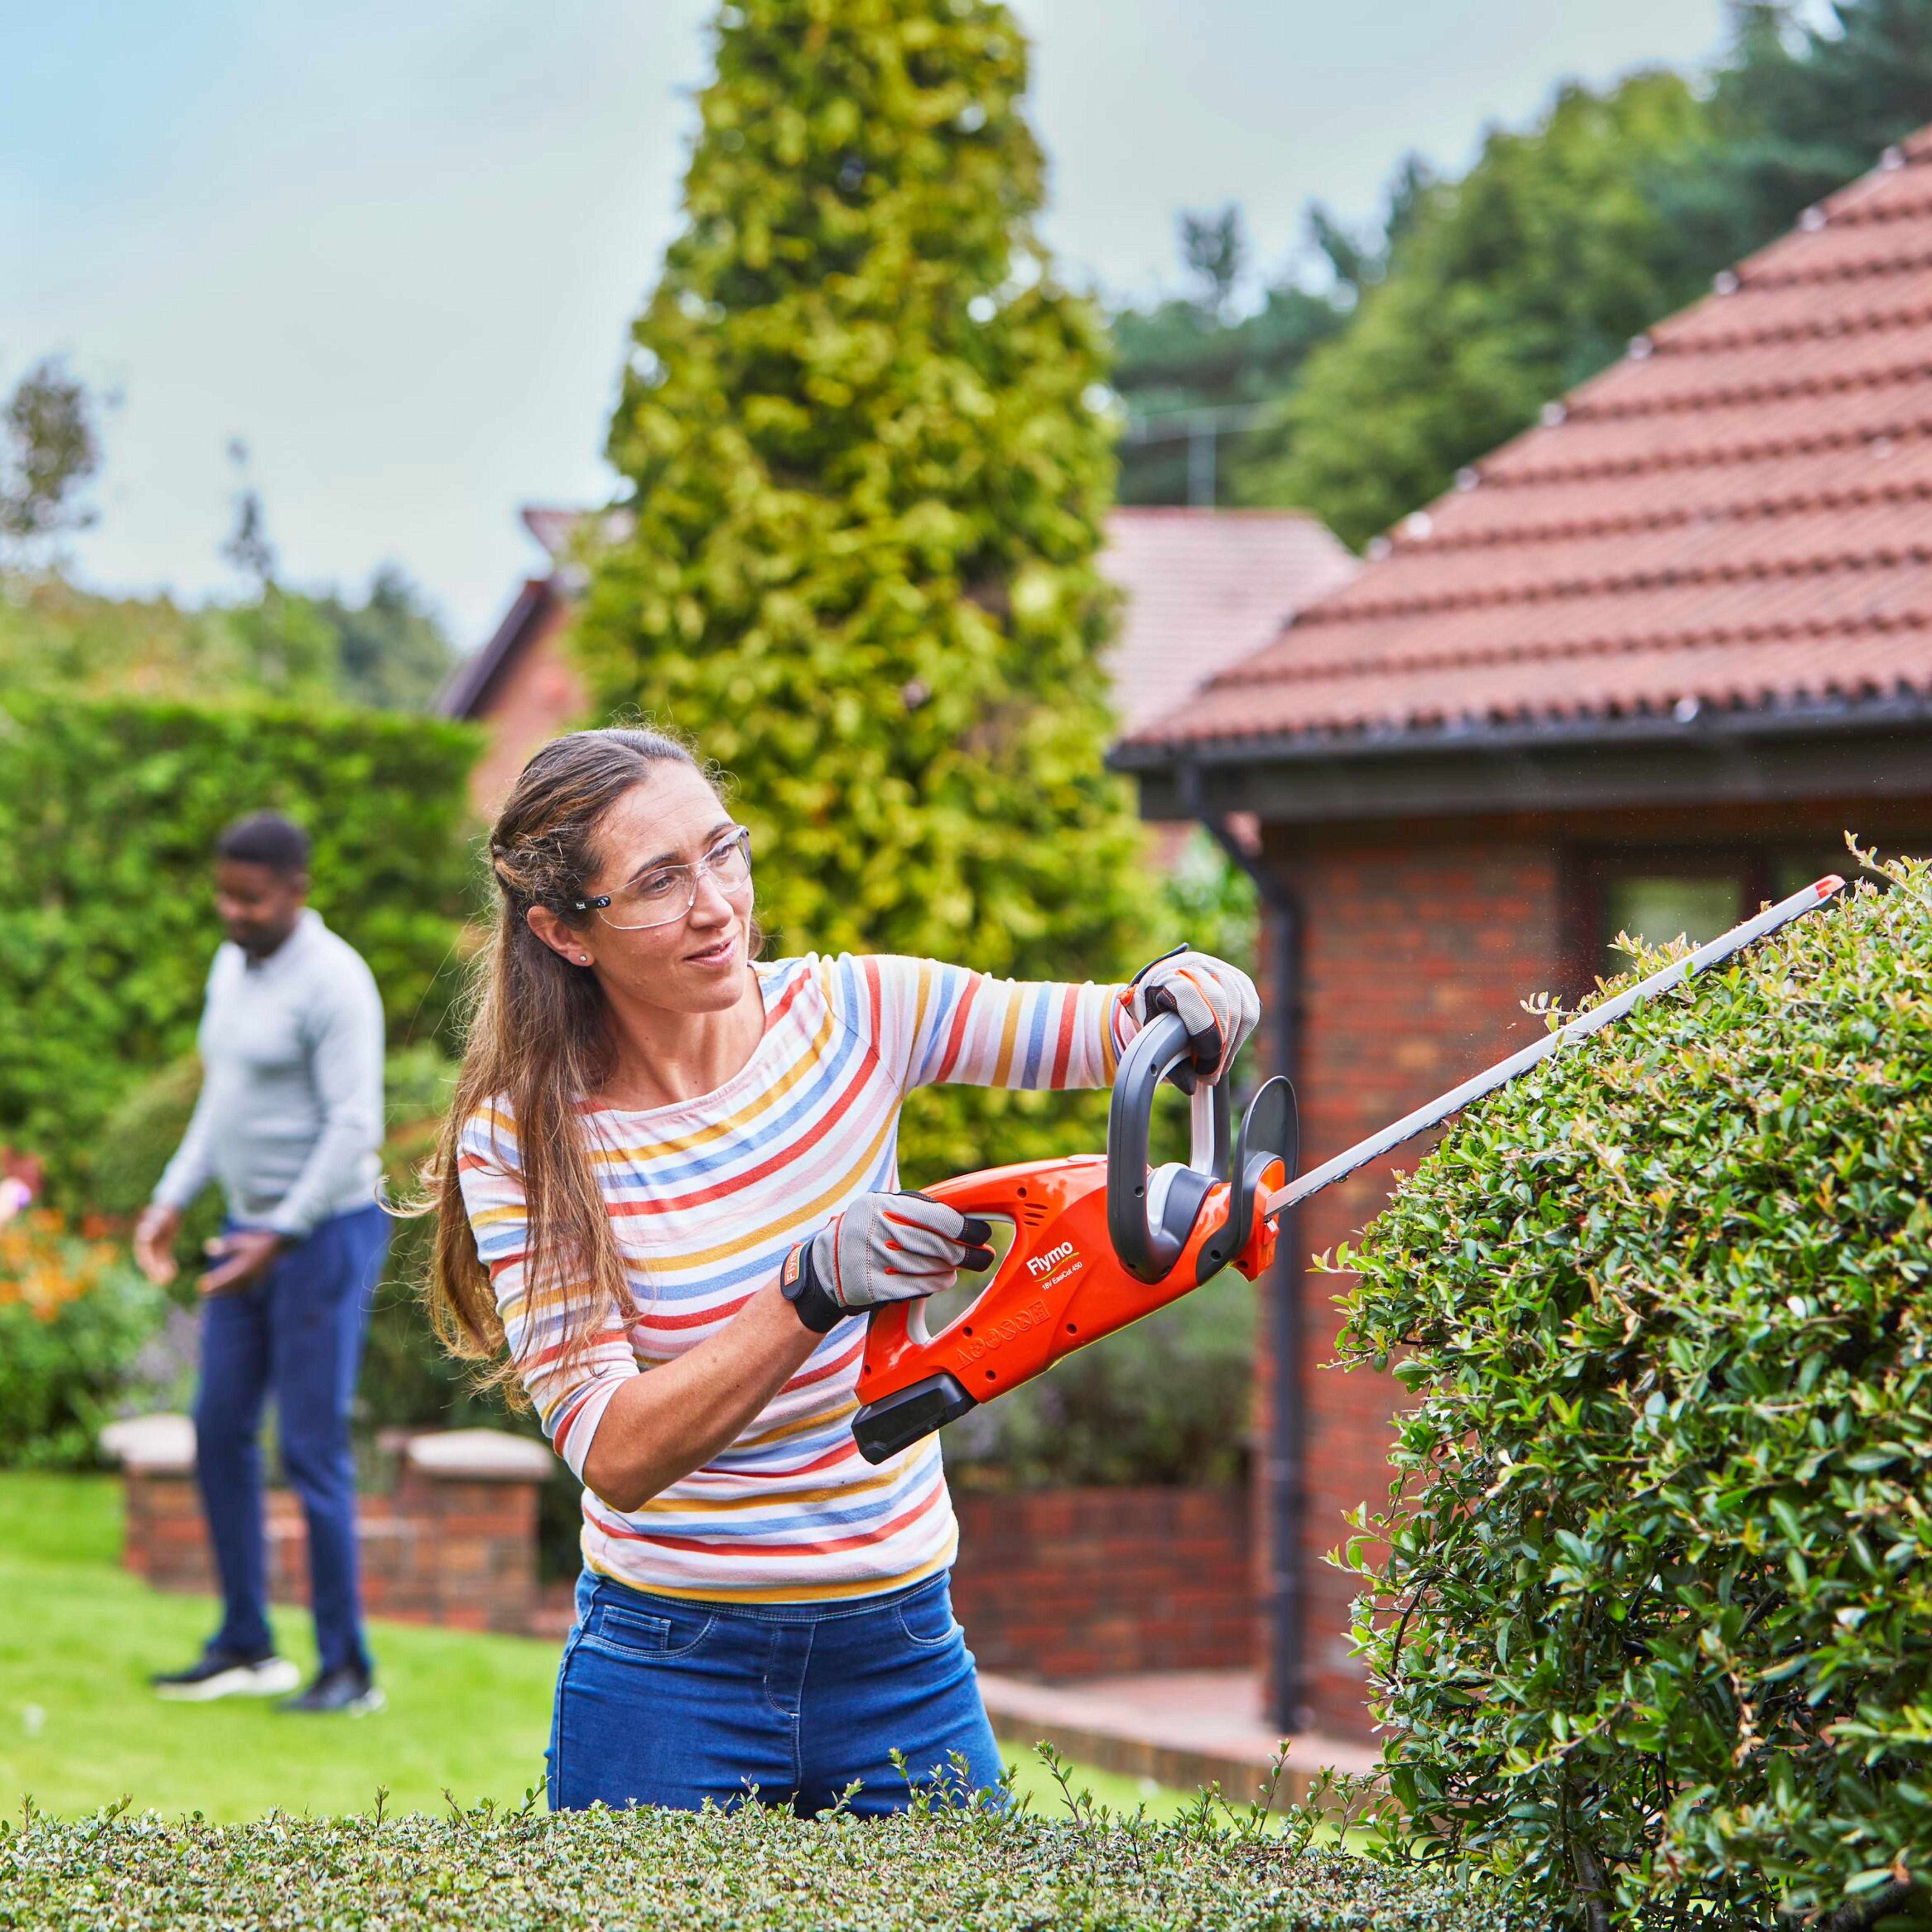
[1739,513]
[1203,589]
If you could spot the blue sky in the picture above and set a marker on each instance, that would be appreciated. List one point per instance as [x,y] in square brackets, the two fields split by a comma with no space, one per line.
[394,247]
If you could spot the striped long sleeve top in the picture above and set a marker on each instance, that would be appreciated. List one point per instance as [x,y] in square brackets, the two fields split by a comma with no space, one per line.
[707,1197]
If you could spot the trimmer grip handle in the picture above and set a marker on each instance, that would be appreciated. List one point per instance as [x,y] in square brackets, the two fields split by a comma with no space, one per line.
[1147,1247]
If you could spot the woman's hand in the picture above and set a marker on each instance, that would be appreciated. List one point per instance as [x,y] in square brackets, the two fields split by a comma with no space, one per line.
[884,1247]
[1215,1002]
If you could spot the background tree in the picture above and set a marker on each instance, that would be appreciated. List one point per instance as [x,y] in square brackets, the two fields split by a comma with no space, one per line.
[388,652]
[1507,289]
[49,448]
[1196,351]
[869,460]
[1486,298]
[391,651]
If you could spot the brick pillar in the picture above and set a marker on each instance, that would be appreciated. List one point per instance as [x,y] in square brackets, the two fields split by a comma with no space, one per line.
[470,1498]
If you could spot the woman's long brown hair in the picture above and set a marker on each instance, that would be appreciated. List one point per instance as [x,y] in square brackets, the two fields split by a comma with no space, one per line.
[537,1045]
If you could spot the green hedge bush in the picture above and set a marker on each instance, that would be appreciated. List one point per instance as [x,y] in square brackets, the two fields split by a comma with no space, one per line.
[74,1318]
[108,812]
[1649,1612]
[485,1871]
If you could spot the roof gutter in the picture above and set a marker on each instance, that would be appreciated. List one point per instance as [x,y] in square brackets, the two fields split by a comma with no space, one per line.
[1691,722]
[1868,749]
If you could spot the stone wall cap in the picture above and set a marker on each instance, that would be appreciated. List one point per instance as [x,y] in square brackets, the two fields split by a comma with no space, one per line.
[479,1456]
[152,1444]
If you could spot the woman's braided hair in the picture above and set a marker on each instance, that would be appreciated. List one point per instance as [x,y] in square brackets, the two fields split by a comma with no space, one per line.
[536,1045]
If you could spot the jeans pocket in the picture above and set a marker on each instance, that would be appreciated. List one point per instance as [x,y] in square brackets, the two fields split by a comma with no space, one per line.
[663,1630]
[927,1619]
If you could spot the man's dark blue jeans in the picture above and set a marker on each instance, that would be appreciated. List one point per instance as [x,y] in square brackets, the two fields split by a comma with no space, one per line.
[297,1334]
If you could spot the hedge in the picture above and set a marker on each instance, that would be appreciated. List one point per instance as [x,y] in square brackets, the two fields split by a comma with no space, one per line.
[487,1871]
[1649,1614]
[109,811]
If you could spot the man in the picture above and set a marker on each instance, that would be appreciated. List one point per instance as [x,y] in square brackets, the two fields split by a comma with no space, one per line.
[288,1121]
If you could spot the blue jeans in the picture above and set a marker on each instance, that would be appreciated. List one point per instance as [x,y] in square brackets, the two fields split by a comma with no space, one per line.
[663,1701]
[297,1334]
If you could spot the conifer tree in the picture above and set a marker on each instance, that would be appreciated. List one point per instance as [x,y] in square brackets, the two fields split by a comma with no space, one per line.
[868,457]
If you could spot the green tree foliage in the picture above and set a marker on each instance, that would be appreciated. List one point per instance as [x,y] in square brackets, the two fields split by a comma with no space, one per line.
[49,448]
[1485,298]
[1509,287]
[1196,351]
[1801,105]
[868,469]
[391,651]
[1652,1627]
[387,651]
[109,811]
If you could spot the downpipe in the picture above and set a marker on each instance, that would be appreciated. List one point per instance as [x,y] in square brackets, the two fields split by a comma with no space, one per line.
[1284,1452]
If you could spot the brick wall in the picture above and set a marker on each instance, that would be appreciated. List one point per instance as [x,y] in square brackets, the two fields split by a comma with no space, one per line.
[442,1547]
[1417,948]
[537,694]
[1098,1582]
[1419,941]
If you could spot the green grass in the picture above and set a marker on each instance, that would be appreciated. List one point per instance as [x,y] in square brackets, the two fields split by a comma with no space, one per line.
[80,1728]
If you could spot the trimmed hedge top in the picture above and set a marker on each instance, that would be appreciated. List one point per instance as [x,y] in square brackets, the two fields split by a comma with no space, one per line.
[482,1871]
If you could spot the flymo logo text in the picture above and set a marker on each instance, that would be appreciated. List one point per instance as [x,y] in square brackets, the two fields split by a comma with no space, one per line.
[1045,1263]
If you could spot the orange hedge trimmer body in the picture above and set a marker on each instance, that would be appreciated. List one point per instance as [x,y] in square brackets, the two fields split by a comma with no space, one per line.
[1101,1239]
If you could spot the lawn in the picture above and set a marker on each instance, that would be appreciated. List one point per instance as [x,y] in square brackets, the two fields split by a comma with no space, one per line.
[78,1727]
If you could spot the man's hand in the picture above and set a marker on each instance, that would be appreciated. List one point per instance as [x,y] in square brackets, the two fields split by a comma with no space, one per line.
[241,1258]
[154,1234]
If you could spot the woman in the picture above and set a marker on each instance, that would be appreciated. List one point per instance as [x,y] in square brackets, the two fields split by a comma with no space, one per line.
[667,1188]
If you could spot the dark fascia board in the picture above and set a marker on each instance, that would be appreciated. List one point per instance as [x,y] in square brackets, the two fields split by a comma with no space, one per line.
[1872,748]
[468,686]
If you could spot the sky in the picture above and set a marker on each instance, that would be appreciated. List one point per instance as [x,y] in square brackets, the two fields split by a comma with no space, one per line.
[393,248]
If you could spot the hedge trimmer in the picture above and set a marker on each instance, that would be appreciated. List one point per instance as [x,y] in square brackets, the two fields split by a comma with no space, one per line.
[1100,1240]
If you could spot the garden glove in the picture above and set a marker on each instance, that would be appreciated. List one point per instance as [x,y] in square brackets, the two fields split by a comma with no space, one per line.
[884,1247]
[1215,1002]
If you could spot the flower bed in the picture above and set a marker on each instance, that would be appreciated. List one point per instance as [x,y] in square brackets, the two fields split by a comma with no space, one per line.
[74,1316]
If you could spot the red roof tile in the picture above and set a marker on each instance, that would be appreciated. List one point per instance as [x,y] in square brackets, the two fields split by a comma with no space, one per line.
[1204,588]
[1738,512]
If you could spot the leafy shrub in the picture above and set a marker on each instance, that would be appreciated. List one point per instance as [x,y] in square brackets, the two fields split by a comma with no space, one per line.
[866,475]
[108,812]
[74,1317]
[1653,1627]
[703,1872]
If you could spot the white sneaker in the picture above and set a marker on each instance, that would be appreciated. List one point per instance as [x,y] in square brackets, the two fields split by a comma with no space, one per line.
[218,1673]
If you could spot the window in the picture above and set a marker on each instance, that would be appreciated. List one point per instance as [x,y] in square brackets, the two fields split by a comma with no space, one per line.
[1660,907]
[1669,893]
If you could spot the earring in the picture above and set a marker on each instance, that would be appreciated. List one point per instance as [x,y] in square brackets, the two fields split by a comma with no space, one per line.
[583,959]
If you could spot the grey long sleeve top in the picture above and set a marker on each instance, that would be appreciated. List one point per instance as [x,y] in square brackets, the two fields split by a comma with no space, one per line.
[290,1115]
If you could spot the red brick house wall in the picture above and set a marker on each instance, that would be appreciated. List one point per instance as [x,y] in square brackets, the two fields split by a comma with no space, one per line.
[535,694]
[1420,940]
[1419,944]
